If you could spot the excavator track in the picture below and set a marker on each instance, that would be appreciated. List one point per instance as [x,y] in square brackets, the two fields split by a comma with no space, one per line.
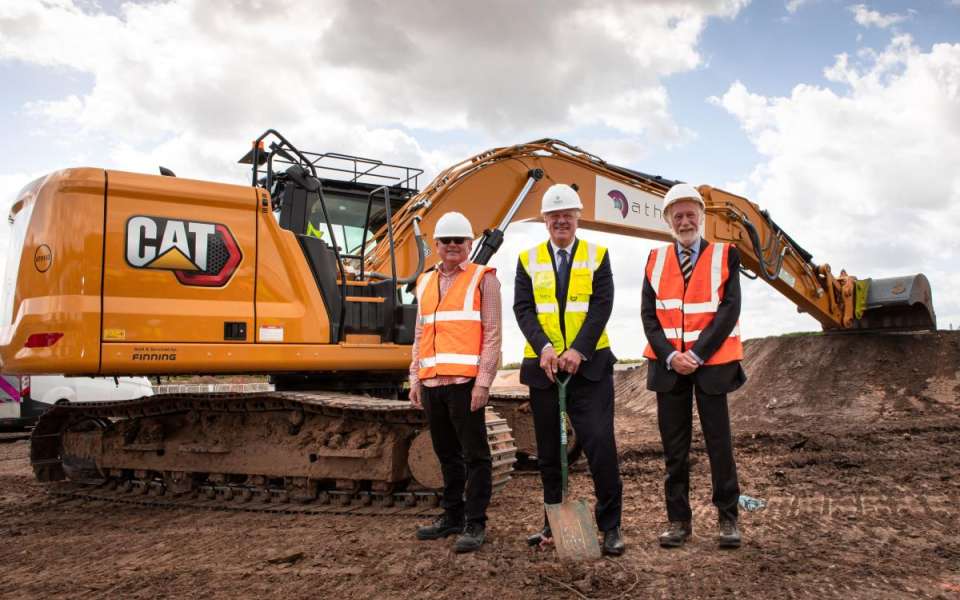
[287,452]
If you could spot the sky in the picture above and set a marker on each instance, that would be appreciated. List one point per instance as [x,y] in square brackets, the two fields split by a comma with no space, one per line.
[840,118]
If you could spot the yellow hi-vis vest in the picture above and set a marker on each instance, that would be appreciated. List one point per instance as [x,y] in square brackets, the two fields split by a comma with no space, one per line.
[536,262]
[314,231]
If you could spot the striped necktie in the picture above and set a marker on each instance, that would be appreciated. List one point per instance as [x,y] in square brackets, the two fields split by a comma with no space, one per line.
[563,272]
[685,265]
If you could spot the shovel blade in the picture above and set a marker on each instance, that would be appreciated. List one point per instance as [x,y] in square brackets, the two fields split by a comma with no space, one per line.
[574,530]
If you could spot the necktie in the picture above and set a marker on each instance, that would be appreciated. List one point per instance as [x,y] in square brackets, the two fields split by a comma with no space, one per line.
[562,272]
[685,265]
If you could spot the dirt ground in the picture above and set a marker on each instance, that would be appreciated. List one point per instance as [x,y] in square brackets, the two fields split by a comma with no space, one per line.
[853,442]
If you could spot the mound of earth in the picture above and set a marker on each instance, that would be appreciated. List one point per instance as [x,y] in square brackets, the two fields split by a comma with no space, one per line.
[819,379]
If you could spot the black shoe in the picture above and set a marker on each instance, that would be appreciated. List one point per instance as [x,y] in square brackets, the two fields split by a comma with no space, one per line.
[538,538]
[676,534]
[440,528]
[471,539]
[729,534]
[613,542]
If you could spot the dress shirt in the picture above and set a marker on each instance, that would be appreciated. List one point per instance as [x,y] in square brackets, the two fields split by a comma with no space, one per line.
[569,249]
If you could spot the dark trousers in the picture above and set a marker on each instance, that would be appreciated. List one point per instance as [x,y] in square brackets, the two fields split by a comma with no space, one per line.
[674,415]
[590,408]
[460,441]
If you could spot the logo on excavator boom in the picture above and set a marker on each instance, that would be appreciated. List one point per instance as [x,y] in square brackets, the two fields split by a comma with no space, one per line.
[198,253]
[619,202]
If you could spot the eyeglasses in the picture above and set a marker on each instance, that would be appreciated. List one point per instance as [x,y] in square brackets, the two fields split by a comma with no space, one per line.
[452,240]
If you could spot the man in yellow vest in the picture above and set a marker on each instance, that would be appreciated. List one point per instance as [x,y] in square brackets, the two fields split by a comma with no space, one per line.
[456,351]
[690,308]
[315,221]
[563,300]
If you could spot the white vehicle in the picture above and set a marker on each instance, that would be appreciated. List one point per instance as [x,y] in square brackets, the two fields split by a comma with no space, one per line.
[23,399]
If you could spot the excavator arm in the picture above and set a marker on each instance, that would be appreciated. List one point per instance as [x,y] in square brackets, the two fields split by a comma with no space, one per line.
[503,185]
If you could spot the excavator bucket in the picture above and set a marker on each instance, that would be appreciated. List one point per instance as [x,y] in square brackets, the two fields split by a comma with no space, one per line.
[895,303]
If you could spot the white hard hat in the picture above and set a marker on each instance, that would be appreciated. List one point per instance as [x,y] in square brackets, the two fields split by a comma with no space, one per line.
[453,224]
[560,196]
[681,191]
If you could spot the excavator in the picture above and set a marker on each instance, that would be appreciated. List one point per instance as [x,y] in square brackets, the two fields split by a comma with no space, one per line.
[306,275]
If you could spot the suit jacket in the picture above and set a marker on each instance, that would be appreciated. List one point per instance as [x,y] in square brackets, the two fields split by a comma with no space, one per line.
[597,363]
[712,379]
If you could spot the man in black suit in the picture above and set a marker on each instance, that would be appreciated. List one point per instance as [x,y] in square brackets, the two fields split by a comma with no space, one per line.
[563,300]
[690,310]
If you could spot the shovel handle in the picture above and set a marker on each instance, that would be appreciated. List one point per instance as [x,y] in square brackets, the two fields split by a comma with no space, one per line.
[562,389]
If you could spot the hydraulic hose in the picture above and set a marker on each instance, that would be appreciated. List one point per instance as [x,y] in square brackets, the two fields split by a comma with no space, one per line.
[767,273]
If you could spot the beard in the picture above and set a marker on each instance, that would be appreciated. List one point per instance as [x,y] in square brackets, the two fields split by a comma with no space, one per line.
[687,238]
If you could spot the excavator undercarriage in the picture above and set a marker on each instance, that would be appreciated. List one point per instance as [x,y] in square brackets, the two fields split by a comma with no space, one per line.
[305,448]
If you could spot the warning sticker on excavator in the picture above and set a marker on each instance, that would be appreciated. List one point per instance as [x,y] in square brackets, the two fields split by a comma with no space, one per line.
[271,334]
[621,204]
[114,334]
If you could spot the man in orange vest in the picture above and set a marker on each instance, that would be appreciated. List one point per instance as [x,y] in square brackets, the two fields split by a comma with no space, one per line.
[690,311]
[456,351]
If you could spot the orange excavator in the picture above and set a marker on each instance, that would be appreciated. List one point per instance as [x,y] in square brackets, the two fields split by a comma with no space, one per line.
[306,275]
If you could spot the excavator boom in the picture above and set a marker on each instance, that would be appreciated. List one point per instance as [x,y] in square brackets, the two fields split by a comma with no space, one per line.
[503,185]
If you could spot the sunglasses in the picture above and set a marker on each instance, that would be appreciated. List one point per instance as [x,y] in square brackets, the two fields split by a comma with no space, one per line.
[451,240]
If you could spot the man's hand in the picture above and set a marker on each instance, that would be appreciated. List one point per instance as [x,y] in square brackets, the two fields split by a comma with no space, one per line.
[415,391]
[569,361]
[478,397]
[684,364]
[548,362]
[692,356]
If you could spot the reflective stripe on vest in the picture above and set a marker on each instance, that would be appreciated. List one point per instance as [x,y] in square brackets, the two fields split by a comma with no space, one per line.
[538,265]
[684,311]
[451,332]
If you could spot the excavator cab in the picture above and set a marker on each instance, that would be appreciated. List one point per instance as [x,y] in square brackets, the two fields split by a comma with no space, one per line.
[333,202]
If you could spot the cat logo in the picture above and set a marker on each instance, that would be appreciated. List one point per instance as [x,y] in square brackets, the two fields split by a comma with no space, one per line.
[198,253]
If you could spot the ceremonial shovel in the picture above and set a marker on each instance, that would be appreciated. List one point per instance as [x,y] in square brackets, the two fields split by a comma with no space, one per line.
[571,521]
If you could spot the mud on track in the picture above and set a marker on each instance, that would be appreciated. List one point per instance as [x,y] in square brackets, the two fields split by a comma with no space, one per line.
[863,497]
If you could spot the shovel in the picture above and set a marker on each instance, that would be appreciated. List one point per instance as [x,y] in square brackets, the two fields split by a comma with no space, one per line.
[571,521]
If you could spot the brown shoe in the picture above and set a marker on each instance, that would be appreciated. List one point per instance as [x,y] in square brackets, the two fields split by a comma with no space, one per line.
[729,534]
[676,534]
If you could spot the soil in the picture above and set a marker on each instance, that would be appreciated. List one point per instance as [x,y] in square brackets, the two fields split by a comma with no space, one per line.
[852,441]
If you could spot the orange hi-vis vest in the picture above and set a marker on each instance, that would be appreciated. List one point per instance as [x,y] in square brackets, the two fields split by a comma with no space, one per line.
[451,332]
[685,311]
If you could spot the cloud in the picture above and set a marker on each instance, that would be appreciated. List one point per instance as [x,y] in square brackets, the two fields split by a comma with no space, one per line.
[871,18]
[197,78]
[867,177]
[187,84]
[794,5]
